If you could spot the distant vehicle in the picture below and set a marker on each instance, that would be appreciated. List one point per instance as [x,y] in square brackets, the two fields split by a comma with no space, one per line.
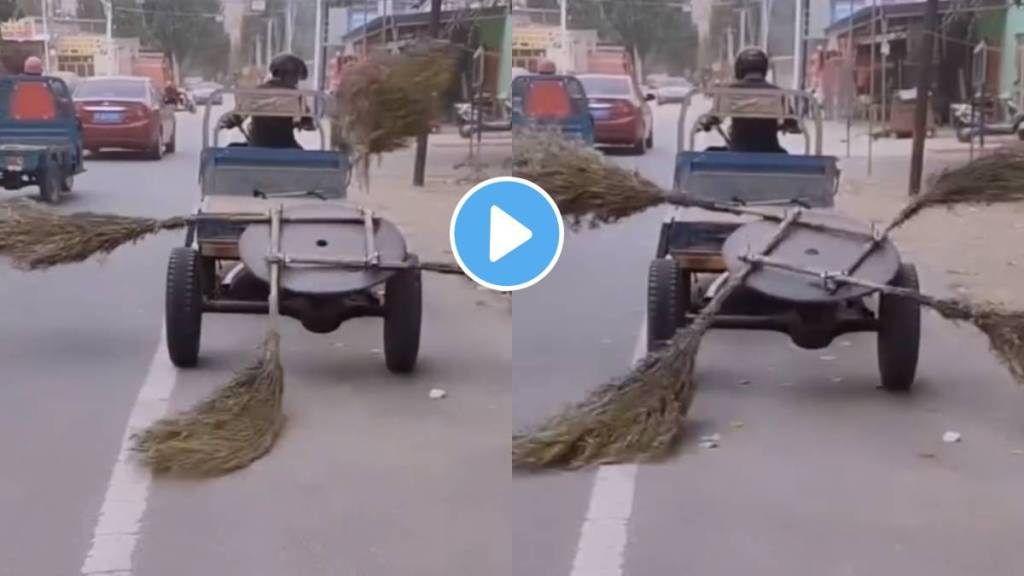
[156,66]
[607,59]
[126,112]
[672,90]
[203,92]
[620,111]
[40,138]
[551,101]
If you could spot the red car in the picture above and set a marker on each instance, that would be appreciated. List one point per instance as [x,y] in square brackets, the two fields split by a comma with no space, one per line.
[125,112]
[620,110]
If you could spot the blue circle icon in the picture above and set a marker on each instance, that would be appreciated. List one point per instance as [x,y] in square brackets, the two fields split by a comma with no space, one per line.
[507,233]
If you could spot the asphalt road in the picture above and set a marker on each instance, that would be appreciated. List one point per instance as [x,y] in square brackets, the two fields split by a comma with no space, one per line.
[817,472]
[371,477]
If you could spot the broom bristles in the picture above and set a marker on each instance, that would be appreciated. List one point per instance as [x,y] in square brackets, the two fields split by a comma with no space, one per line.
[37,238]
[234,427]
[387,100]
[586,188]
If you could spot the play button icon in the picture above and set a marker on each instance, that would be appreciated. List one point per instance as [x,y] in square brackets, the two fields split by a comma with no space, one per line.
[506,233]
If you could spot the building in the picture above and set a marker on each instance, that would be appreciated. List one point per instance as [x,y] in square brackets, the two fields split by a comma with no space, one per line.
[92,55]
[845,71]
[535,42]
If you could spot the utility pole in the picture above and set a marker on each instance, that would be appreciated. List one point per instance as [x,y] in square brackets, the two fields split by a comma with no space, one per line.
[743,26]
[289,26]
[765,23]
[420,167]
[798,45]
[270,39]
[921,107]
[108,9]
[564,30]
[46,35]
[851,58]
[871,81]
[318,47]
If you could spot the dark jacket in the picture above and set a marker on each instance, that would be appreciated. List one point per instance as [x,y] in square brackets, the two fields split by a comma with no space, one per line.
[755,134]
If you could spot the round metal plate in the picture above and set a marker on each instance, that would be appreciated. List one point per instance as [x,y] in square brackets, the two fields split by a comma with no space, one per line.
[818,249]
[345,240]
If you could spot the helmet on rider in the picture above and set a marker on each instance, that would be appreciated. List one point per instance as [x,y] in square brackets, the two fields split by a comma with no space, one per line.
[33,65]
[751,64]
[546,67]
[289,69]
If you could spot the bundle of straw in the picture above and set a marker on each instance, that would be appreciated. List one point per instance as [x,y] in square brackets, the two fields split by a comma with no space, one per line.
[234,427]
[386,100]
[640,416]
[586,188]
[34,237]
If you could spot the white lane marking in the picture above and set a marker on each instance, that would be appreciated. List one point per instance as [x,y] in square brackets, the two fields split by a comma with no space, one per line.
[120,520]
[601,549]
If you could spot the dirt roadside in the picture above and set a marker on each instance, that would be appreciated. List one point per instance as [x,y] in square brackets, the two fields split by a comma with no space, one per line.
[980,250]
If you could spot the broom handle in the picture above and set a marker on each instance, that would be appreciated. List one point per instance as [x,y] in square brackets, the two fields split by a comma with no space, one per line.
[904,214]
[684,201]
[943,305]
[703,320]
[275,265]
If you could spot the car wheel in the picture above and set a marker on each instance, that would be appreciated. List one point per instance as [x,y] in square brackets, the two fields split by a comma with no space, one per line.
[899,333]
[640,147]
[156,149]
[403,310]
[50,178]
[172,146]
[184,307]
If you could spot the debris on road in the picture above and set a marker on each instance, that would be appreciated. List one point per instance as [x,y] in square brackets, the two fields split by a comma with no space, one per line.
[827,358]
[744,382]
[710,441]
[736,424]
[437,393]
[951,437]
[1017,451]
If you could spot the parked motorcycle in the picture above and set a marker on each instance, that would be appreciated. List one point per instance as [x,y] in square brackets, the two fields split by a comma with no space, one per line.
[1007,120]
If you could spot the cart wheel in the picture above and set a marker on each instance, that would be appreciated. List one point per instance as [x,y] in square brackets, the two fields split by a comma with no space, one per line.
[403,311]
[184,306]
[50,178]
[899,334]
[665,295]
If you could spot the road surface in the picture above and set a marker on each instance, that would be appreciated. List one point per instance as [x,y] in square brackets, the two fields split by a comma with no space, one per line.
[817,473]
[370,477]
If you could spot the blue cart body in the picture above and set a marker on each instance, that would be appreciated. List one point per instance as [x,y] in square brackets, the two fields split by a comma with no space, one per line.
[40,134]
[578,124]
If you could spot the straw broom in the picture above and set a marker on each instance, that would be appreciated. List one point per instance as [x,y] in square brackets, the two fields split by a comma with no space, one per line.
[589,190]
[234,427]
[238,423]
[640,417]
[387,100]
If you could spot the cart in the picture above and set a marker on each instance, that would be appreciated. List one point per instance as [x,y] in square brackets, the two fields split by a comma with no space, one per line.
[40,136]
[793,287]
[273,234]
